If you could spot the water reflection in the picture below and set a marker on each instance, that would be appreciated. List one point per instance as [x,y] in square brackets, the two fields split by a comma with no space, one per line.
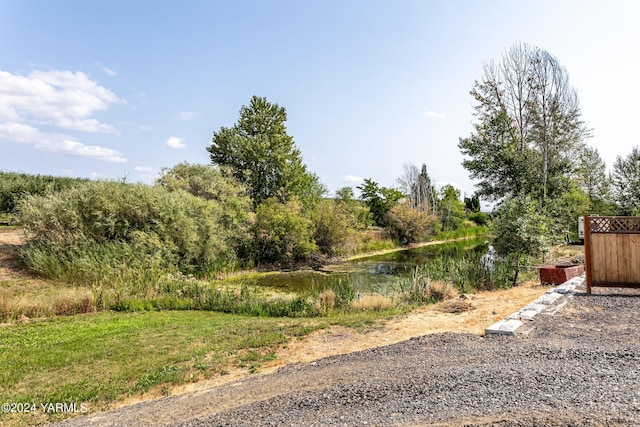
[378,273]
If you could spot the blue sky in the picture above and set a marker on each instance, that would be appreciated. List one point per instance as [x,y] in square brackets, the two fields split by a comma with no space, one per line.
[109,89]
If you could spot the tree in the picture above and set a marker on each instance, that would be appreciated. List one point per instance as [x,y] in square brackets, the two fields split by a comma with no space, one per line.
[496,158]
[626,183]
[593,180]
[528,129]
[416,184]
[472,204]
[451,209]
[520,230]
[563,213]
[378,199]
[263,156]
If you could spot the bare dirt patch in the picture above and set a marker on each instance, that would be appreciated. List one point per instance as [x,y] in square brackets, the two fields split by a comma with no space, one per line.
[9,264]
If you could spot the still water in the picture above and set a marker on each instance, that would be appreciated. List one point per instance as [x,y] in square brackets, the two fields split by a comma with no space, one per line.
[379,273]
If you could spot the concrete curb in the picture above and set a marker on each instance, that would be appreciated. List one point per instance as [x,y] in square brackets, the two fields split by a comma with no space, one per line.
[544,304]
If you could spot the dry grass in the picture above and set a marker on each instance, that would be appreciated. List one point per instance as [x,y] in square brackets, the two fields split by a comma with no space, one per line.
[327,300]
[456,306]
[441,291]
[566,254]
[372,303]
[63,302]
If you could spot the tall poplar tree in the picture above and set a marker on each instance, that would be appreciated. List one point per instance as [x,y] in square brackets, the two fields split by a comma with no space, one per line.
[263,156]
[528,129]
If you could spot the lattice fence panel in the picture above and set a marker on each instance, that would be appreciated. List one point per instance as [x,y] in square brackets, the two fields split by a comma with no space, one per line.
[616,225]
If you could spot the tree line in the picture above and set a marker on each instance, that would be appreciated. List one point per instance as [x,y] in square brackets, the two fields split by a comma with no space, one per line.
[529,153]
[256,203]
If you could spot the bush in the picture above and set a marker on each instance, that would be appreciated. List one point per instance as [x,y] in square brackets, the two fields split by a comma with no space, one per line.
[111,232]
[282,233]
[409,225]
[335,226]
[210,183]
[14,186]
[479,218]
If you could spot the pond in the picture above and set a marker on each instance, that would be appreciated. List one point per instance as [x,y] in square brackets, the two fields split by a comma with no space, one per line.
[374,274]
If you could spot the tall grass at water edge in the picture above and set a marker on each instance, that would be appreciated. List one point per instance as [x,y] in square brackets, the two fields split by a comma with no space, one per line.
[471,271]
[464,232]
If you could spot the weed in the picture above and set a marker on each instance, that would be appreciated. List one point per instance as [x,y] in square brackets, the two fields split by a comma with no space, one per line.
[372,302]
[441,291]
[345,291]
[327,301]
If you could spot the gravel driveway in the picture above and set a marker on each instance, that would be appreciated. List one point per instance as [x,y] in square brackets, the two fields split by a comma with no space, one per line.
[578,367]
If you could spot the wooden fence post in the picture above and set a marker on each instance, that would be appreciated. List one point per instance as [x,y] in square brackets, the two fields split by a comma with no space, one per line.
[587,252]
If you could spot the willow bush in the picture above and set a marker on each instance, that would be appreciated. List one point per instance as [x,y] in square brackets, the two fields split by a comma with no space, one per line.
[111,232]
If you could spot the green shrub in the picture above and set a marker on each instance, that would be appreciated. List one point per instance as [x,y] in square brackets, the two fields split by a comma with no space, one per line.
[282,233]
[124,234]
[14,186]
[335,225]
[210,183]
[479,218]
[409,225]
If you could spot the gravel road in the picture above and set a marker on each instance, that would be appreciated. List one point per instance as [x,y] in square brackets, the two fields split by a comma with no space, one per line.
[578,367]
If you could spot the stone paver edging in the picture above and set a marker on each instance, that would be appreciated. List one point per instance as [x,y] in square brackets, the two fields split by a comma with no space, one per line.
[545,303]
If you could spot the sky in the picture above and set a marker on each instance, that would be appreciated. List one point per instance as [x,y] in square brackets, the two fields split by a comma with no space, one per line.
[112,89]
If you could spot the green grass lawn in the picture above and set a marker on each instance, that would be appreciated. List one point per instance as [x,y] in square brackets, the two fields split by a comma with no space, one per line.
[102,358]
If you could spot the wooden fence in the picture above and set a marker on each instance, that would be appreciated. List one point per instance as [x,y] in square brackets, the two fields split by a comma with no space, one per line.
[612,251]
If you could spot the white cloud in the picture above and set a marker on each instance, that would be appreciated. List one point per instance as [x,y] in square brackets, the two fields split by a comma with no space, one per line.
[75,148]
[187,115]
[56,143]
[145,169]
[435,115]
[108,71]
[353,179]
[60,99]
[175,143]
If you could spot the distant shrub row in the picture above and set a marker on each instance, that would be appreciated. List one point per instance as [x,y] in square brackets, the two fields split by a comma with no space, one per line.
[13,186]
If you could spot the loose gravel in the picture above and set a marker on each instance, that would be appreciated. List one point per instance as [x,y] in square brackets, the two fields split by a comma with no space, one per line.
[577,367]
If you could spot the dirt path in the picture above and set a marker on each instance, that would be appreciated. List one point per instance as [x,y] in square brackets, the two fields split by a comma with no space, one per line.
[9,238]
